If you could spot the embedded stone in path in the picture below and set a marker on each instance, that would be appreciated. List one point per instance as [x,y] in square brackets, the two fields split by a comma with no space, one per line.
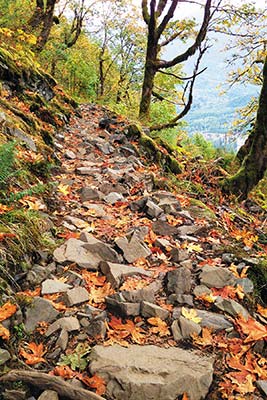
[217,277]
[151,372]
[133,249]
[116,272]
[87,252]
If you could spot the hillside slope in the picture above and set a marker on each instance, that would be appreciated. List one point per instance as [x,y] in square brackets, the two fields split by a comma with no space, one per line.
[152,290]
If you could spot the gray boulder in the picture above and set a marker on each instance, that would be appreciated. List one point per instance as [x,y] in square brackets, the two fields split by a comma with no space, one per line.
[151,372]
[39,310]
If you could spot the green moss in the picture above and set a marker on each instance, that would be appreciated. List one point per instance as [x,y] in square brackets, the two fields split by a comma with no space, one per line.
[258,275]
[200,210]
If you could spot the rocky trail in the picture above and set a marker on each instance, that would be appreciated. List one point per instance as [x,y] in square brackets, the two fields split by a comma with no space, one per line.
[142,300]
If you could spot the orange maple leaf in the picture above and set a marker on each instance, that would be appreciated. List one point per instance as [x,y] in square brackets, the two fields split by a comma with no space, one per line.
[252,328]
[205,339]
[69,235]
[7,310]
[95,382]
[35,355]
[93,278]
[159,326]
[4,332]
[185,397]
[4,209]
[127,329]
[4,235]
[64,371]
[262,311]
[30,293]
[229,292]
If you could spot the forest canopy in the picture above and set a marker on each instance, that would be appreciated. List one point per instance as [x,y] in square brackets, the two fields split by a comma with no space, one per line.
[116,53]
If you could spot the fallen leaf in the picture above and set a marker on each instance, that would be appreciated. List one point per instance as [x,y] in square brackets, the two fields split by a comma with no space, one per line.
[30,293]
[4,209]
[64,371]
[4,235]
[262,311]
[252,328]
[35,353]
[194,247]
[7,310]
[95,382]
[65,189]
[185,397]
[134,283]
[128,329]
[69,235]
[98,294]
[4,333]
[205,339]
[159,327]
[191,315]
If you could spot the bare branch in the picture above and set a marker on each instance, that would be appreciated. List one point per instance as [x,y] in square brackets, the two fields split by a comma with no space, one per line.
[182,78]
[167,18]
[145,12]
[174,122]
[192,49]
[46,381]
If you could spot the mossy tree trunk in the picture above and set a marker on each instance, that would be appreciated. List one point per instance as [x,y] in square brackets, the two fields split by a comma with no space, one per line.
[253,153]
[42,20]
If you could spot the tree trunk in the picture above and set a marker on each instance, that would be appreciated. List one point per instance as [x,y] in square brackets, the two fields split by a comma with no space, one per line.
[254,164]
[42,18]
[149,76]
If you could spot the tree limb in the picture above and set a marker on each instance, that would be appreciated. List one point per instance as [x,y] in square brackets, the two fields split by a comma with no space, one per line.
[166,19]
[145,11]
[192,49]
[46,381]
[182,78]
[161,6]
[174,122]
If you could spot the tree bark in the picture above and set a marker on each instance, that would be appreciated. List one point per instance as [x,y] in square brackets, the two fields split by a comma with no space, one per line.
[254,163]
[43,18]
[46,381]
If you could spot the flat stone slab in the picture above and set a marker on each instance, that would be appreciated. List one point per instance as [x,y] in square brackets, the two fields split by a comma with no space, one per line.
[116,272]
[217,277]
[151,372]
[50,286]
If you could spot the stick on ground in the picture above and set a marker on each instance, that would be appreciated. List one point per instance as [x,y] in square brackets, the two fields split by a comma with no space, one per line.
[46,381]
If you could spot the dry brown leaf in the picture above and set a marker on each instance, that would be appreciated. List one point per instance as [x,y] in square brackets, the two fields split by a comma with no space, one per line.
[252,328]
[4,333]
[95,382]
[35,353]
[7,310]
[159,327]
[205,339]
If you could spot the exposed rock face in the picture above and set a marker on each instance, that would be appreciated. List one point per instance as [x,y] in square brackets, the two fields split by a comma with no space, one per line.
[151,372]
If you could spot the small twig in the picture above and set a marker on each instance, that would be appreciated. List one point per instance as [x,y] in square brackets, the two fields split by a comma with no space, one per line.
[45,381]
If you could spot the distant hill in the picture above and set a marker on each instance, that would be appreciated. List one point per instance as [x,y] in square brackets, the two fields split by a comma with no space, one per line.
[212,113]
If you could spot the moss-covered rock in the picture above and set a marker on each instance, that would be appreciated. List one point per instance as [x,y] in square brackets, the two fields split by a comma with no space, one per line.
[155,152]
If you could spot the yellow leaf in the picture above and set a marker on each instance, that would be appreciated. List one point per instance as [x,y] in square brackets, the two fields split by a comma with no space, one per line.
[65,189]
[191,315]
[194,247]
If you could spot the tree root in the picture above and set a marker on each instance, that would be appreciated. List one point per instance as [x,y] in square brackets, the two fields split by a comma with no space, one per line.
[46,381]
